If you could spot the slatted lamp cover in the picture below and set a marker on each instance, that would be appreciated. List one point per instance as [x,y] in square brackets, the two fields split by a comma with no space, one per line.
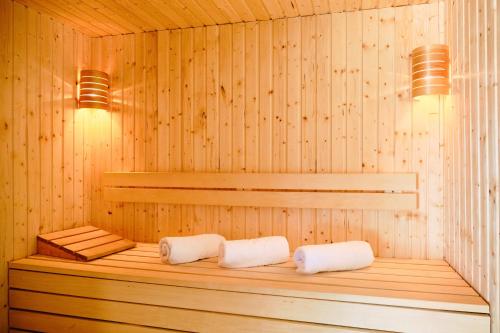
[94,89]
[430,75]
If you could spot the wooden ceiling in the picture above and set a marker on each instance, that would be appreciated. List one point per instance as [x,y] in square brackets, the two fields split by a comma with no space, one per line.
[113,17]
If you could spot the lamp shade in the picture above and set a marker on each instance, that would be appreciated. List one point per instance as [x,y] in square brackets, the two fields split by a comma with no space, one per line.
[94,89]
[430,75]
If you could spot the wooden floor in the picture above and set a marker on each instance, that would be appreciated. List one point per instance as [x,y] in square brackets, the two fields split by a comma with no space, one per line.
[132,291]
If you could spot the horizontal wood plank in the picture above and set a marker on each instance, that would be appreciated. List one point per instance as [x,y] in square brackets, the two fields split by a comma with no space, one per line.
[68,232]
[345,314]
[105,249]
[234,280]
[80,238]
[90,243]
[163,317]
[263,198]
[46,322]
[372,274]
[270,181]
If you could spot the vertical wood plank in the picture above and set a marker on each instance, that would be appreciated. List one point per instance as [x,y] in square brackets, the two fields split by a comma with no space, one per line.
[265,115]
[402,130]
[386,121]
[354,111]
[484,139]
[140,130]
[212,121]
[87,147]
[100,136]
[103,126]
[238,122]
[225,116]
[46,126]
[280,149]
[200,118]
[128,125]
[435,157]
[474,145]
[116,74]
[151,126]
[493,101]
[456,144]
[96,138]
[460,230]
[163,121]
[290,138]
[339,114]
[251,119]
[324,117]
[6,166]
[78,135]
[465,150]
[187,54]
[308,121]
[370,114]
[68,112]
[175,133]
[57,127]
[452,139]
[420,110]
[19,96]
[33,123]
[446,144]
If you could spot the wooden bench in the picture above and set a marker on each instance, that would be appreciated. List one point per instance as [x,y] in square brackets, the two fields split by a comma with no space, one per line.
[133,291]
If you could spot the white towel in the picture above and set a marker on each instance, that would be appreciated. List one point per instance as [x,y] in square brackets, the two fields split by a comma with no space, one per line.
[342,256]
[254,252]
[178,250]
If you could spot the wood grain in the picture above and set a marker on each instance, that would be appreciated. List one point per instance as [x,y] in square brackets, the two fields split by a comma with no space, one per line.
[325,200]
[42,166]
[389,182]
[113,18]
[471,132]
[293,123]
[137,282]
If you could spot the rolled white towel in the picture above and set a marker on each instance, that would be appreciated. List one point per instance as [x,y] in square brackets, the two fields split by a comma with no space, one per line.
[253,252]
[178,250]
[343,256]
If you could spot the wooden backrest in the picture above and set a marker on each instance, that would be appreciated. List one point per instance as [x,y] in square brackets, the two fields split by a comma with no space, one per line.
[340,191]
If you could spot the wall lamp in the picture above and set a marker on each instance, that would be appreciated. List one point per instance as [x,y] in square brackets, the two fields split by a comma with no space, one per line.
[430,75]
[94,90]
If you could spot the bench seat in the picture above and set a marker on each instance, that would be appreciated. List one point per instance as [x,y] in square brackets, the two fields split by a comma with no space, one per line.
[132,291]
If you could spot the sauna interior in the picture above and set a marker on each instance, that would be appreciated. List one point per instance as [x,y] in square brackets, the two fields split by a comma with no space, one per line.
[249,119]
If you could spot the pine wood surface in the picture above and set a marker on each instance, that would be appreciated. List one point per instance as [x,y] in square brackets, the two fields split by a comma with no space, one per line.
[326,191]
[471,133]
[84,243]
[255,98]
[113,17]
[311,123]
[390,287]
[44,137]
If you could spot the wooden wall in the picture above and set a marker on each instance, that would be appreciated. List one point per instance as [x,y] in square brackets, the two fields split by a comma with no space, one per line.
[472,222]
[326,93]
[42,159]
